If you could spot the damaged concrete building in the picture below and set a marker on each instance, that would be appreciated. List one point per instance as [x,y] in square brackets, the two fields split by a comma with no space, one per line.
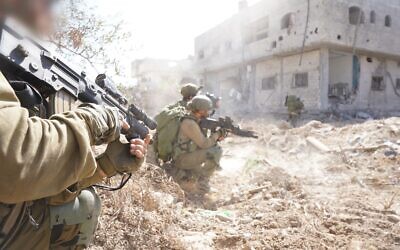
[164,76]
[333,54]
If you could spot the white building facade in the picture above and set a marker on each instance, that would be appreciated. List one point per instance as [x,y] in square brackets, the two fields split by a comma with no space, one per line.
[333,54]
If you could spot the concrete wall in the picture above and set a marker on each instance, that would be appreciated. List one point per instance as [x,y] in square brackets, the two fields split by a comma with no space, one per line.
[285,69]
[372,37]
[278,54]
[367,98]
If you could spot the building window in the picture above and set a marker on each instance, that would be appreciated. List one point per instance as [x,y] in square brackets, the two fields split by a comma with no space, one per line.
[273,45]
[356,15]
[261,36]
[268,83]
[301,80]
[398,83]
[388,21]
[287,21]
[378,83]
[201,54]
[339,90]
[372,17]
[257,30]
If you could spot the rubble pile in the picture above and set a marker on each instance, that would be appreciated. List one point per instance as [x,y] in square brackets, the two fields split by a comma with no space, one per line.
[139,215]
[319,186]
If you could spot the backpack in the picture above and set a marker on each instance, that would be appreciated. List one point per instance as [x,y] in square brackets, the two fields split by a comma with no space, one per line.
[294,104]
[168,121]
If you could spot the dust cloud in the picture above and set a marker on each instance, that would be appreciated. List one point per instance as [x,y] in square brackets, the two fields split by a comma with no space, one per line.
[318,186]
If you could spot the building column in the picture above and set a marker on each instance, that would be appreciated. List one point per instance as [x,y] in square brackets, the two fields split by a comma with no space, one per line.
[324,79]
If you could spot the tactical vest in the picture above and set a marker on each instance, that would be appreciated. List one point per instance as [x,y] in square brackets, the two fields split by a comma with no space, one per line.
[184,146]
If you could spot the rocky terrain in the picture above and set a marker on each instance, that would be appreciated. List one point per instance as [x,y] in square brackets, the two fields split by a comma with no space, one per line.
[319,186]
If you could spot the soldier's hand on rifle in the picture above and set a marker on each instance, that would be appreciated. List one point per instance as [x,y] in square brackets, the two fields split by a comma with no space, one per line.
[138,147]
[223,133]
[123,158]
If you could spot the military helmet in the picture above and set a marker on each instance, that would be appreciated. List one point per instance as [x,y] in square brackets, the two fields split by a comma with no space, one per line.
[189,90]
[200,102]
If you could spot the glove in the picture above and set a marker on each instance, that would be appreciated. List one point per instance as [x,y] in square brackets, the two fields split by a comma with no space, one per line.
[117,159]
[223,133]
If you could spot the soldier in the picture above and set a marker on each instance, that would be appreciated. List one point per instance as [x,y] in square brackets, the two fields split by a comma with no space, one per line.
[188,91]
[41,158]
[196,157]
[295,106]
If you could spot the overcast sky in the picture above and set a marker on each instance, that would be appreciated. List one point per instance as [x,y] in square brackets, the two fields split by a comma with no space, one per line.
[167,28]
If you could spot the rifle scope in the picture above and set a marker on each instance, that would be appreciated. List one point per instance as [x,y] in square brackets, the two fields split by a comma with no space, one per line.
[142,116]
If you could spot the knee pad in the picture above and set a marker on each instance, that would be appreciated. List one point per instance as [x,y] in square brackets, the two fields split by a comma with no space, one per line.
[84,212]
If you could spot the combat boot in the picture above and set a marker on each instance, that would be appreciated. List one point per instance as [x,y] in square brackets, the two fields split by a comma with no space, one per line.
[203,185]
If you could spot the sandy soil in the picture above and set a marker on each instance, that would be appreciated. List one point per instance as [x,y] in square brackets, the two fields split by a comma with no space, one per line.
[315,187]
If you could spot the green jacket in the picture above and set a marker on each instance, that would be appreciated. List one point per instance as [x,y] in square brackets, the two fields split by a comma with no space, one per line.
[41,158]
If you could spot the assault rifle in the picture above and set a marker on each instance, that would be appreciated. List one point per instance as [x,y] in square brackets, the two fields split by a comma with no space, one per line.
[226,123]
[40,78]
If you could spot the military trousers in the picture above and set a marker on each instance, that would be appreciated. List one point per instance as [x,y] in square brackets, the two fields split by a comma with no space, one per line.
[200,163]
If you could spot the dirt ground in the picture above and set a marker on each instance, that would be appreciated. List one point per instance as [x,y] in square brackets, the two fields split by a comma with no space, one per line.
[319,186]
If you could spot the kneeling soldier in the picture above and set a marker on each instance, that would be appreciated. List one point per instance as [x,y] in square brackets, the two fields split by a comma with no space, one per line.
[196,157]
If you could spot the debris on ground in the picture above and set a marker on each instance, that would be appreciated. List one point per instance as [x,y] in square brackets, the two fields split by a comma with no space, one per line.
[319,186]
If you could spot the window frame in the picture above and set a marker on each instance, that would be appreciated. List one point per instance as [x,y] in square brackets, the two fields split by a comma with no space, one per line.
[356,10]
[372,17]
[388,21]
[301,74]
[382,85]
[269,83]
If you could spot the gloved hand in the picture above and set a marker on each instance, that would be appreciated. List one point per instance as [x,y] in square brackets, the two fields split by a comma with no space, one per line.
[122,158]
[223,133]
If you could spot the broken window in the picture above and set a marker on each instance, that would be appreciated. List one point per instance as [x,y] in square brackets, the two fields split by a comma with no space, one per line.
[398,83]
[378,83]
[201,54]
[356,15]
[301,80]
[287,21]
[372,17]
[339,90]
[257,30]
[268,83]
[388,21]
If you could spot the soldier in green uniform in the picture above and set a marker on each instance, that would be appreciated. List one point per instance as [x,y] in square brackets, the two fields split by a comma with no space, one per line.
[188,91]
[196,157]
[295,106]
[44,158]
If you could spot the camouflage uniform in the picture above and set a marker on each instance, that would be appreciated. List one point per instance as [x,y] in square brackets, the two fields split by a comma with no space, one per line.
[195,156]
[188,91]
[295,106]
[42,158]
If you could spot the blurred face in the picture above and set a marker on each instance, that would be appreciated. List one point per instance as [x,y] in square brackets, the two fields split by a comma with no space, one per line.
[36,14]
